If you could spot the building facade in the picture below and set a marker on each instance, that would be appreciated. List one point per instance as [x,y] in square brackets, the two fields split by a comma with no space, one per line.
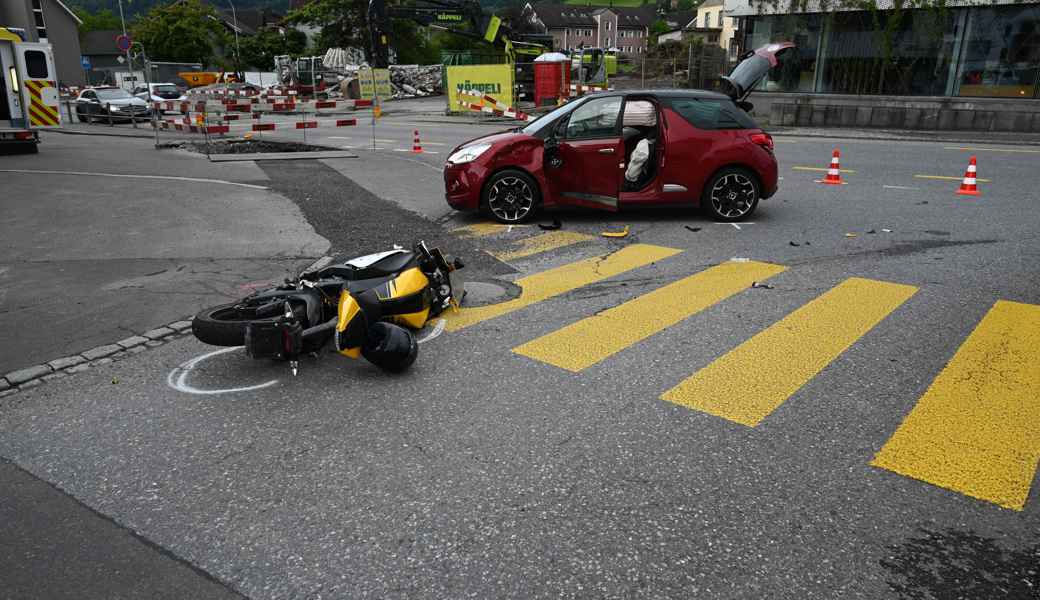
[53,22]
[959,50]
[572,27]
[712,14]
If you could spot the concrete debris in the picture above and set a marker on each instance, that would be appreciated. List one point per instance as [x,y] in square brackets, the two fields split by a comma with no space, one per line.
[410,81]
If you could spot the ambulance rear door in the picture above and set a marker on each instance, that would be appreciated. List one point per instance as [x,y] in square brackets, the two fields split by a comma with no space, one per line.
[36,63]
[11,115]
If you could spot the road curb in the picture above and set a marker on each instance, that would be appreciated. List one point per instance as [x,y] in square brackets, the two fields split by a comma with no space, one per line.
[34,375]
[147,136]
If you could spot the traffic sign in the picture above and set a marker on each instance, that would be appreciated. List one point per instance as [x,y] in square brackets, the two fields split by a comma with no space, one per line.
[123,42]
[85,62]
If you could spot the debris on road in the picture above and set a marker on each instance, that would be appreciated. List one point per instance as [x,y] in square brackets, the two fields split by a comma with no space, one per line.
[887,230]
[872,231]
[760,286]
[615,234]
[851,235]
[794,243]
[739,259]
[556,224]
[693,229]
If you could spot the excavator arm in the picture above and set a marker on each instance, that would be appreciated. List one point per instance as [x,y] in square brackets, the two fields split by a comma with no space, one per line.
[461,17]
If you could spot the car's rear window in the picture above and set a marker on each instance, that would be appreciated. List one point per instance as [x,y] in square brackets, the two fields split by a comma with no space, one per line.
[712,113]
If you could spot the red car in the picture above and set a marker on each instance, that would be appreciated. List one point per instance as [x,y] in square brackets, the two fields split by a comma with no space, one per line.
[627,149]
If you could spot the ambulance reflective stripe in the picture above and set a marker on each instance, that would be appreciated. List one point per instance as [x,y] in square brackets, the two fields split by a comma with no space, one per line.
[41,112]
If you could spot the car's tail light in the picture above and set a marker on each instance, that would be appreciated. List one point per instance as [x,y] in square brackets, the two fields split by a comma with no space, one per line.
[23,135]
[763,139]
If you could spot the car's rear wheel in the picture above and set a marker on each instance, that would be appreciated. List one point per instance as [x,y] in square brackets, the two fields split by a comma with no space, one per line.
[512,196]
[731,195]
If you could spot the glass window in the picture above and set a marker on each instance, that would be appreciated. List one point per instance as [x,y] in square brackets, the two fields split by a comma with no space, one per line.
[917,62]
[1001,54]
[113,94]
[597,118]
[712,114]
[797,70]
[35,64]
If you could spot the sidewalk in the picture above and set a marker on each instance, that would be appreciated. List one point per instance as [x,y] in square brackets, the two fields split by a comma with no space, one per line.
[905,135]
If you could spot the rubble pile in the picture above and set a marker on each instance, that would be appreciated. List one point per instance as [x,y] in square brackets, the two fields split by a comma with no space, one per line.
[410,81]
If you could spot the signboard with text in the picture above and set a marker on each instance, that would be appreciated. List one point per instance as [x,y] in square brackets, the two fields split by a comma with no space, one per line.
[491,80]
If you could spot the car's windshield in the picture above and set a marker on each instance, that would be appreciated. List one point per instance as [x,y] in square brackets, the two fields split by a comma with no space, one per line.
[165,88]
[116,94]
[540,123]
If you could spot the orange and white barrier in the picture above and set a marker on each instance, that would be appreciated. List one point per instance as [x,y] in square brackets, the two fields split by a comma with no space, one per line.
[487,104]
[578,89]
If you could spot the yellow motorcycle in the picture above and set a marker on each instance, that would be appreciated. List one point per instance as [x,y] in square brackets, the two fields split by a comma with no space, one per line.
[366,306]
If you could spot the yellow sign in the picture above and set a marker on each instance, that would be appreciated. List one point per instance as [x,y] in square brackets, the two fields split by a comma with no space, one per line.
[374,81]
[495,81]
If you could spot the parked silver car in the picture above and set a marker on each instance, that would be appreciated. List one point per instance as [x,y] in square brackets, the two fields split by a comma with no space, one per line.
[102,103]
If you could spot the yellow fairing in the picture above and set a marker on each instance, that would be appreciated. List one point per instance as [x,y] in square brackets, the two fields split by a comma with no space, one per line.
[408,283]
[348,310]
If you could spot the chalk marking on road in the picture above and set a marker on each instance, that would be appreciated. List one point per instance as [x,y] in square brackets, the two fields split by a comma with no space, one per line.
[948,178]
[824,169]
[735,225]
[178,377]
[438,328]
[544,242]
[976,430]
[126,175]
[580,345]
[899,187]
[549,284]
[751,381]
[992,149]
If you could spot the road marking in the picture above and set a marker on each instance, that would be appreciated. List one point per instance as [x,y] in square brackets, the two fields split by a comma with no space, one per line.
[542,243]
[976,430]
[824,169]
[438,328]
[948,178]
[178,377]
[589,341]
[481,229]
[547,284]
[409,150]
[125,175]
[899,187]
[755,378]
[738,226]
[992,149]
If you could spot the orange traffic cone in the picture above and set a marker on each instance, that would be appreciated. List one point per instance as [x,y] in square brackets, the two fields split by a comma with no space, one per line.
[834,171]
[416,146]
[968,185]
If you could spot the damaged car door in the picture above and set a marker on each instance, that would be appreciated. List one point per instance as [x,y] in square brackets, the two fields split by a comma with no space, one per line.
[587,154]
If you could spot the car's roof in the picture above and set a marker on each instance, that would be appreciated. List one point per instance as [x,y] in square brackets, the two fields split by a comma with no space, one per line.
[671,93]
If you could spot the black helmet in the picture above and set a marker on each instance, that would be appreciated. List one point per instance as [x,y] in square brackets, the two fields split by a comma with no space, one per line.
[390,347]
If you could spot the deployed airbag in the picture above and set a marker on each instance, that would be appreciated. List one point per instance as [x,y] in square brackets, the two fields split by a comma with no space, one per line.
[637,164]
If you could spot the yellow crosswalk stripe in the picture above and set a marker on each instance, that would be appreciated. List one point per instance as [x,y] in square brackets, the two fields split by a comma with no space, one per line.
[589,341]
[541,286]
[755,378]
[976,430]
[542,243]
[480,229]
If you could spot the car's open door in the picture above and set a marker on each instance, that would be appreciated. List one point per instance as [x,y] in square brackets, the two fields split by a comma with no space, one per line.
[752,68]
[589,156]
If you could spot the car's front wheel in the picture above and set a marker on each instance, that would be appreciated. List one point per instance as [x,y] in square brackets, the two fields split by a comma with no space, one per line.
[512,196]
[731,195]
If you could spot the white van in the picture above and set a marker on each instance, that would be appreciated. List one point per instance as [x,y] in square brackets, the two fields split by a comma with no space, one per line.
[28,91]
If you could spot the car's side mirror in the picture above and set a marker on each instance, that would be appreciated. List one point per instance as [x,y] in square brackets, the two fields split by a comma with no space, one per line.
[746,106]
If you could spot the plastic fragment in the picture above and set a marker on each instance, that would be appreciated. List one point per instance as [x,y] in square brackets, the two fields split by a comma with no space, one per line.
[693,229]
[739,259]
[761,286]
[556,224]
[794,243]
[872,231]
[887,230]
[615,234]
[851,235]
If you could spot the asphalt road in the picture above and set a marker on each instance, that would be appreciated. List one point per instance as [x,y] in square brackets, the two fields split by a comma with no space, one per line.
[597,438]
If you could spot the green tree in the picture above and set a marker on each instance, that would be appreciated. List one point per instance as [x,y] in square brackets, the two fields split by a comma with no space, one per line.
[342,23]
[99,21]
[259,50]
[185,31]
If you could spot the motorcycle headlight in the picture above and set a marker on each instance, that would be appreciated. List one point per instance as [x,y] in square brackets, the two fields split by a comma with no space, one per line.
[469,153]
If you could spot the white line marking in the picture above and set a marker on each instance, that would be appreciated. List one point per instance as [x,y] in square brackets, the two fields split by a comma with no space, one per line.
[167,177]
[437,330]
[179,381]
[899,187]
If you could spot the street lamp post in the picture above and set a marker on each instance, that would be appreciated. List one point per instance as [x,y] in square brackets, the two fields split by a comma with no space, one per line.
[238,54]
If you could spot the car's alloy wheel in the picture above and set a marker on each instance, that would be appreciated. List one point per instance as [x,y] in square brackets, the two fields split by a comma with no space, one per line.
[510,199]
[733,196]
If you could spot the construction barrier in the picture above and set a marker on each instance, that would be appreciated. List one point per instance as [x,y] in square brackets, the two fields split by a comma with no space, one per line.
[478,102]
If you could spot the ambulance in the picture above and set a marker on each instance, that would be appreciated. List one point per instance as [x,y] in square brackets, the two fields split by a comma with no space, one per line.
[28,92]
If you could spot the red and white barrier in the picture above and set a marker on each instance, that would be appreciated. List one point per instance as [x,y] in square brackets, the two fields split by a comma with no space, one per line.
[487,104]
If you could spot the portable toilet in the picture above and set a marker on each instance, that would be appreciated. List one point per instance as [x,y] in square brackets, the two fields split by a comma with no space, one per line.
[552,78]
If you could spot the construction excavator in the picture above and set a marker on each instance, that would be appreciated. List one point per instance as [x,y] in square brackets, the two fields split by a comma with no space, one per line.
[464,18]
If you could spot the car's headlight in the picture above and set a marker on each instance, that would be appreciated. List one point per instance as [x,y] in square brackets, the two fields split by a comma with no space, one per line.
[469,153]
[116,107]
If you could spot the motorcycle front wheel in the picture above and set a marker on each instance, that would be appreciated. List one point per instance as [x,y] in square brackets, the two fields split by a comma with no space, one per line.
[222,325]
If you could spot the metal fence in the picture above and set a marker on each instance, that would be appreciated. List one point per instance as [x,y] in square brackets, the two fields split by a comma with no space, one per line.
[693,66]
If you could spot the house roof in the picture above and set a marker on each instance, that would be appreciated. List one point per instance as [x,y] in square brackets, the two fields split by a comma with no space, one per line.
[568,15]
[711,3]
[100,43]
[679,20]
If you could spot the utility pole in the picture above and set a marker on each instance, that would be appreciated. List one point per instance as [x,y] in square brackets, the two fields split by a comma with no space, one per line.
[238,53]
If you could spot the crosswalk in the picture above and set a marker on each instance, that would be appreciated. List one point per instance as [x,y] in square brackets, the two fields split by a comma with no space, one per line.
[975,431]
